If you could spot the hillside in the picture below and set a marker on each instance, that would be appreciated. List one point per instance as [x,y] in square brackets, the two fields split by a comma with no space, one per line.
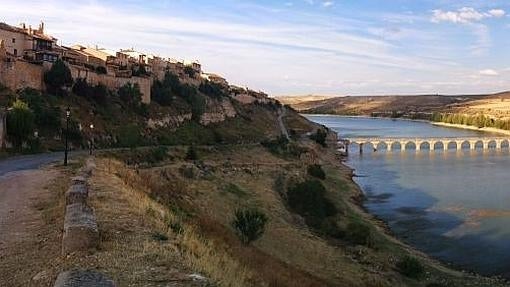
[402,105]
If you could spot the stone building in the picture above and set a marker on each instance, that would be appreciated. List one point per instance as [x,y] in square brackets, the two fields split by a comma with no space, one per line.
[29,44]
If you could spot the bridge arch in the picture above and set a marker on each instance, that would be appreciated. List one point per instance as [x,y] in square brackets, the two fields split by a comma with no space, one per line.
[492,144]
[465,145]
[396,146]
[382,145]
[504,144]
[410,145]
[438,145]
[424,145]
[451,145]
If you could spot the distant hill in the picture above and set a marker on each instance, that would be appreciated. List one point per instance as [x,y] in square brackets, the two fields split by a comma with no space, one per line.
[368,105]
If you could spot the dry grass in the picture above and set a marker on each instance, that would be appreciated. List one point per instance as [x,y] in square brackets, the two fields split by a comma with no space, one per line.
[189,247]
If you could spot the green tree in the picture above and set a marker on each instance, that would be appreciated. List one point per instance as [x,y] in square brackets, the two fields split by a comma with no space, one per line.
[58,77]
[20,123]
[249,224]
[131,95]
[320,137]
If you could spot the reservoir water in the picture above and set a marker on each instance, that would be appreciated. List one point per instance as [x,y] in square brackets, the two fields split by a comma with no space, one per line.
[452,205]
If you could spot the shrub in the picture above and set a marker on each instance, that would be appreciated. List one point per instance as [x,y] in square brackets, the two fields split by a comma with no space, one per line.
[131,95]
[309,199]
[410,267]
[20,123]
[158,236]
[316,170]
[192,154]
[58,77]
[319,137]
[249,224]
[198,106]
[360,234]
[129,136]
[212,89]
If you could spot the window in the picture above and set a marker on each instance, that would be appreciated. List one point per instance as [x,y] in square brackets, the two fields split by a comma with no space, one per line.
[13,40]
[15,52]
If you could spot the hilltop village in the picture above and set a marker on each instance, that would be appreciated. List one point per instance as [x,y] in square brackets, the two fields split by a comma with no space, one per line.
[26,53]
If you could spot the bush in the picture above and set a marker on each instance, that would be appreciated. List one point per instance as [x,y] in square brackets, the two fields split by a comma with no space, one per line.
[360,234]
[158,236]
[212,89]
[129,136]
[58,77]
[131,95]
[20,123]
[249,224]
[98,93]
[316,170]
[309,199]
[320,137]
[192,154]
[410,267]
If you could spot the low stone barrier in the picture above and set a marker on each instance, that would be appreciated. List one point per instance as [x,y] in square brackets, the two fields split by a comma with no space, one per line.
[80,229]
[77,193]
[83,278]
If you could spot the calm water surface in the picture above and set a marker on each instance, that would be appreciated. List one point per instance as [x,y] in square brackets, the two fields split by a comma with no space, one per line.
[453,205]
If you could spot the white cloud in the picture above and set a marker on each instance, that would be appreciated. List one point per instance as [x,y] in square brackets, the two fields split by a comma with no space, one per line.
[498,13]
[489,72]
[465,15]
[328,3]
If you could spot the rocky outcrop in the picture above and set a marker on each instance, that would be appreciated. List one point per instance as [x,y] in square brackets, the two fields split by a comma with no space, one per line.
[168,121]
[83,278]
[218,111]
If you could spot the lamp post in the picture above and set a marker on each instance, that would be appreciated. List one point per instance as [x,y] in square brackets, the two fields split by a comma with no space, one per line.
[68,116]
[91,139]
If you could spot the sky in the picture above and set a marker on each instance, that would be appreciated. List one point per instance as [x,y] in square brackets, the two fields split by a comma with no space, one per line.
[300,47]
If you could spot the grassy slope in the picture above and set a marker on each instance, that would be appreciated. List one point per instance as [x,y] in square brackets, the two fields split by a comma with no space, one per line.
[289,254]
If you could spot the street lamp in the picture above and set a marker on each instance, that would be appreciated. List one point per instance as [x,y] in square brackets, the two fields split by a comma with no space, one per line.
[91,139]
[68,116]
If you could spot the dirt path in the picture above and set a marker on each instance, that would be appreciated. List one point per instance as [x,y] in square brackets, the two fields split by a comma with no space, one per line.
[25,234]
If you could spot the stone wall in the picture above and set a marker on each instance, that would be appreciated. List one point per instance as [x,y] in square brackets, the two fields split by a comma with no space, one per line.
[113,82]
[19,74]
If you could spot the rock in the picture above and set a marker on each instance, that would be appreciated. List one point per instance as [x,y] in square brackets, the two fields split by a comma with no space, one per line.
[83,278]
[80,229]
[77,193]
[40,276]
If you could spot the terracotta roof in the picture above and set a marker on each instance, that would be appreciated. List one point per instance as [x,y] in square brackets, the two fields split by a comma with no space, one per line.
[44,37]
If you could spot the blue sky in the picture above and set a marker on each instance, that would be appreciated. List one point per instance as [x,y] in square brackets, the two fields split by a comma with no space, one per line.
[297,47]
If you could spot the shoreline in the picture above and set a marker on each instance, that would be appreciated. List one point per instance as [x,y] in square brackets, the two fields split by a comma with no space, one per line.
[473,128]
[360,198]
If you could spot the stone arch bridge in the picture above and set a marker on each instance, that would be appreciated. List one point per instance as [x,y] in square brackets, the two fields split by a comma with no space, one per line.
[419,144]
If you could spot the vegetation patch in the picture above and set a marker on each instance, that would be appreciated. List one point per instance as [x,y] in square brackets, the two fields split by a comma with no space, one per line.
[320,137]
[410,267]
[249,224]
[316,171]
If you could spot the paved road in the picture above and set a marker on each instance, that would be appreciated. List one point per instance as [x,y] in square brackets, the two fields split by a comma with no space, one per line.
[28,162]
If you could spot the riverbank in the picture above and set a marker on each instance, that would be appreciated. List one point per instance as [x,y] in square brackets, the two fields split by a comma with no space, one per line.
[473,128]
